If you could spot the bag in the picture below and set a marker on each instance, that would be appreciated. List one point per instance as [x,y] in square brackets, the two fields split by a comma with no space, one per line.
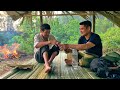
[102,68]
[94,64]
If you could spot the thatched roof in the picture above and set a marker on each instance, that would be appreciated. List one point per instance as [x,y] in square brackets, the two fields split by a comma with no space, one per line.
[114,16]
[17,14]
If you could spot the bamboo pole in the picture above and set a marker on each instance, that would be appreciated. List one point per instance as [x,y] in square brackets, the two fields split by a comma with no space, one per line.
[93,26]
[31,22]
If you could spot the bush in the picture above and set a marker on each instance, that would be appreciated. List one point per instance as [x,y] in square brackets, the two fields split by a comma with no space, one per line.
[111,39]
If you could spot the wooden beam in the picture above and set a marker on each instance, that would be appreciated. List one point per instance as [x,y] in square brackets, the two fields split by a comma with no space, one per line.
[41,18]
[60,14]
[93,26]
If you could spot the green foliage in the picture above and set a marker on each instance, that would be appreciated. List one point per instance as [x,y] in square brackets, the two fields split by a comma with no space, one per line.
[67,31]
[111,39]
[26,40]
[102,25]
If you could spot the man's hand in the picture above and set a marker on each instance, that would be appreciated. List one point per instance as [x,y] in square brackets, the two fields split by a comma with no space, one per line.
[54,42]
[68,50]
[58,42]
[63,46]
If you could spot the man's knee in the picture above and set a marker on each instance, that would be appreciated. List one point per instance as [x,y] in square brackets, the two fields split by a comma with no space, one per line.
[85,60]
[56,53]
[45,53]
[39,55]
[44,48]
[55,49]
[39,58]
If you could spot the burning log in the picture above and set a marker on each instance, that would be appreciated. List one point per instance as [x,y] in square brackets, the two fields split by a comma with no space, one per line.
[9,52]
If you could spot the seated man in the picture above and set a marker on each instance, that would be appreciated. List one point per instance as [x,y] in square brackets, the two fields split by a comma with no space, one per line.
[45,47]
[89,41]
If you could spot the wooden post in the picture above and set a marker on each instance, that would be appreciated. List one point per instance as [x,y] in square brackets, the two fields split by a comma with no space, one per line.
[31,22]
[41,18]
[93,26]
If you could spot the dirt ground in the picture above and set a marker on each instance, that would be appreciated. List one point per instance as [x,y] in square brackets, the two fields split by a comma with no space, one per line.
[4,67]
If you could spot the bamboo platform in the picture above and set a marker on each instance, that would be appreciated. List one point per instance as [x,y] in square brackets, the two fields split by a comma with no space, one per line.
[59,70]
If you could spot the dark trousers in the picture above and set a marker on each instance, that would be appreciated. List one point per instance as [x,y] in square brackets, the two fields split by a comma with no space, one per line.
[39,54]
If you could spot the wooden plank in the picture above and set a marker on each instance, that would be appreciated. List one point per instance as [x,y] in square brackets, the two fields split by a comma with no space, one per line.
[54,74]
[74,67]
[81,73]
[60,14]
[56,68]
[35,74]
[92,74]
[58,65]
[63,56]
[41,75]
[70,72]
[66,74]
[31,72]
[19,75]
[13,75]
[77,72]
[64,67]
[59,71]
[88,71]
[8,74]
[17,72]
[24,74]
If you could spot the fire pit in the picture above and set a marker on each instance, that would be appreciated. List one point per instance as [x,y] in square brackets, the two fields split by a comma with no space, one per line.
[11,52]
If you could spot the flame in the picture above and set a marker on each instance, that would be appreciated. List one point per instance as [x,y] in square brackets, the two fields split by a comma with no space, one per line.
[7,51]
